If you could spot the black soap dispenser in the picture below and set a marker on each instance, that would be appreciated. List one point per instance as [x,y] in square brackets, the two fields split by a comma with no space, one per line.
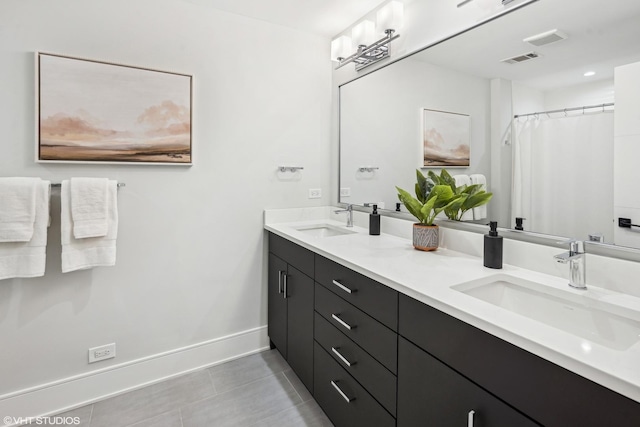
[493,247]
[374,222]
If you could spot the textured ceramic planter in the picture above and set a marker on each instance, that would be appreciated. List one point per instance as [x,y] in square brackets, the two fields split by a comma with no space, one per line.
[425,237]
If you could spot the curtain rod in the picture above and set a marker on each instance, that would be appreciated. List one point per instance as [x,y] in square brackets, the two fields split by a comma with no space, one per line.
[565,110]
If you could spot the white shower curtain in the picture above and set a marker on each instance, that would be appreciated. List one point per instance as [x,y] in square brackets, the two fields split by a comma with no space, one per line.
[563,175]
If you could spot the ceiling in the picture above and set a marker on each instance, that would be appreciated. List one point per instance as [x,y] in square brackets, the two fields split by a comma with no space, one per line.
[322,17]
[602,35]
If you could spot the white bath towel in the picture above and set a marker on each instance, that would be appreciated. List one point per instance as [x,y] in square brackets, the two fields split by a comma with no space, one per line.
[80,254]
[17,208]
[89,207]
[481,211]
[460,181]
[28,259]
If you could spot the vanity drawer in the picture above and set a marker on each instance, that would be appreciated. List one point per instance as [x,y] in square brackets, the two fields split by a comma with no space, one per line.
[296,255]
[344,401]
[546,392]
[376,299]
[380,341]
[377,379]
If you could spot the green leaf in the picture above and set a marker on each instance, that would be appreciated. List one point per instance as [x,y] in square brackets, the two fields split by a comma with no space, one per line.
[413,206]
[475,200]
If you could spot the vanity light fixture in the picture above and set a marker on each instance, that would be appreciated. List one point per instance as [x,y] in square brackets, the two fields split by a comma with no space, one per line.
[590,73]
[389,19]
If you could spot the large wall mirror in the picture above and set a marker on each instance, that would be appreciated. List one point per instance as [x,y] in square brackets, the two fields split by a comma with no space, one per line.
[548,118]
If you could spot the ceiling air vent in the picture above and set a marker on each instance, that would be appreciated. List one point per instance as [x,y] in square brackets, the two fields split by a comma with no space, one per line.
[521,58]
[547,37]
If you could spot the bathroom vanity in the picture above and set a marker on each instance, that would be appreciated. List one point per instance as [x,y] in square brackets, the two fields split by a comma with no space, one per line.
[385,335]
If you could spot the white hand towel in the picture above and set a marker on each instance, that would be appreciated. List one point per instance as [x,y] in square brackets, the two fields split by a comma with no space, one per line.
[460,181]
[481,211]
[89,207]
[80,254]
[28,259]
[17,208]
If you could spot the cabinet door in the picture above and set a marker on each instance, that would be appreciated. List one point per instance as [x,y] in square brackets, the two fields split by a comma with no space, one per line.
[299,288]
[432,394]
[277,304]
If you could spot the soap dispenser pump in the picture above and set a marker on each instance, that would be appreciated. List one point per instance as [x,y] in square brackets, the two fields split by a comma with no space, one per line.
[374,222]
[493,247]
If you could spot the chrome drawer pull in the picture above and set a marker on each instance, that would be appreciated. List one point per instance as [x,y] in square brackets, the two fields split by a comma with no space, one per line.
[344,396]
[284,285]
[344,359]
[470,418]
[343,287]
[342,322]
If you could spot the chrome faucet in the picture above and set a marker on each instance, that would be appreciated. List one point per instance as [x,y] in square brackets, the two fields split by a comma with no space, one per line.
[349,211]
[576,260]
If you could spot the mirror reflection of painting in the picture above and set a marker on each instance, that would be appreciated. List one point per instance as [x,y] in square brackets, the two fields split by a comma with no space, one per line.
[445,139]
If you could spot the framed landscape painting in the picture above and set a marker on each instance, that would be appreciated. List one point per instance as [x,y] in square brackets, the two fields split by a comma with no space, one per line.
[445,139]
[99,112]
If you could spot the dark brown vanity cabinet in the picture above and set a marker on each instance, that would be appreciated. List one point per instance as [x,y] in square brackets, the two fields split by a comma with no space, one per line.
[502,374]
[290,305]
[376,357]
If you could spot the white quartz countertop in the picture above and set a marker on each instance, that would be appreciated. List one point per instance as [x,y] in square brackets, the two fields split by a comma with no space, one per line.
[428,277]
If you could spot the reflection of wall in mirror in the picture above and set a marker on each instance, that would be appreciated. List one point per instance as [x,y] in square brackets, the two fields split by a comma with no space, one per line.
[627,153]
[381,125]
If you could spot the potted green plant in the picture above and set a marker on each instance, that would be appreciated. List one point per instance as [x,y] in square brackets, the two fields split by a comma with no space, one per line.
[430,200]
[470,196]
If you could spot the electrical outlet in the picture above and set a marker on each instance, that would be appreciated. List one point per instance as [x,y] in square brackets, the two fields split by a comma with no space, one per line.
[315,193]
[103,352]
[345,192]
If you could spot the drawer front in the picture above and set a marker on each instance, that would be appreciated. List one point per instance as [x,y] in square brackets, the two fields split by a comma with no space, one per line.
[378,340]
[432,394]
[296,255]
[546,392]
[375,299]
[344,401]
[374,377]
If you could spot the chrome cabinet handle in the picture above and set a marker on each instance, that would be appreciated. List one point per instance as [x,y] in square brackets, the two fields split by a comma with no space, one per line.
[342,322]
[344,359]
[470,418]
[284,285]
[280,273]
[343,287]
[344,396]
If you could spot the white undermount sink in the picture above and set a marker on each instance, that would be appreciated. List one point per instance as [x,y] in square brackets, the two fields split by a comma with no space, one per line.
[323,230]
[580,315]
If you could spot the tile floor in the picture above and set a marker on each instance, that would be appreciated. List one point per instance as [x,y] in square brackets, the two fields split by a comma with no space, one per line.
[257,390]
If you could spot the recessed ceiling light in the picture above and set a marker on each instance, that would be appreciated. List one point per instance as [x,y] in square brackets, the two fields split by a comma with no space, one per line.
[590,73]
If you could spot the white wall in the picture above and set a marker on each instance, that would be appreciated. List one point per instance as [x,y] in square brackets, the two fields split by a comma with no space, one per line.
[626,197]
[191,245]
[381,125]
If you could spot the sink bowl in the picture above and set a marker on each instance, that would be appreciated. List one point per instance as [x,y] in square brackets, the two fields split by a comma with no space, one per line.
[580,315]
[323,230]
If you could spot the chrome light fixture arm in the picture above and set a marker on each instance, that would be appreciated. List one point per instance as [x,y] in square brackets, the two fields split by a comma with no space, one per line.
[368,55]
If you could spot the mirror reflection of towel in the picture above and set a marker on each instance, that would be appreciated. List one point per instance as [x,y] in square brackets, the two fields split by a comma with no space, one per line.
[481,211]
[460,181]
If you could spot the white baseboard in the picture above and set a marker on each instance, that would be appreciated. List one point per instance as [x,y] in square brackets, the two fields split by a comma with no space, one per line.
[77,391]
